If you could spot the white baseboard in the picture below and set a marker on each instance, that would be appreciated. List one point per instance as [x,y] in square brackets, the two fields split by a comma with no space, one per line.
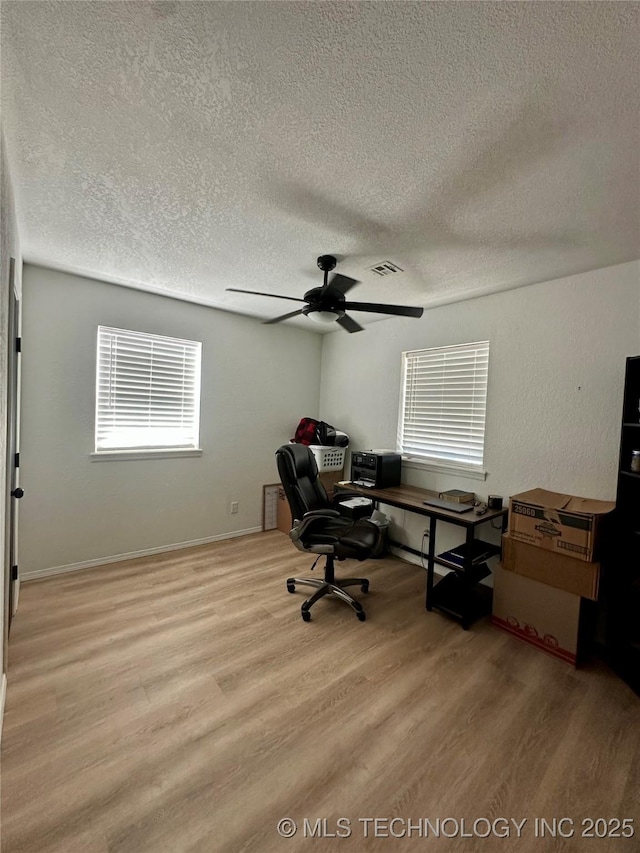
[132,555]
[3,696]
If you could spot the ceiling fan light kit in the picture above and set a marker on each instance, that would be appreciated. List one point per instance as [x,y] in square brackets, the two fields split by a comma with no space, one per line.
[327,304]
[323,318]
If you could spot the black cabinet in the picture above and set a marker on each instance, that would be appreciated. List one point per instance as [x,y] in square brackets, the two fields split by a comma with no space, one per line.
[623,572]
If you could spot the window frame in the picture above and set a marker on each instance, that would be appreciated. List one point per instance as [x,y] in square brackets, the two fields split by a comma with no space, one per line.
[166,451]
[432,463]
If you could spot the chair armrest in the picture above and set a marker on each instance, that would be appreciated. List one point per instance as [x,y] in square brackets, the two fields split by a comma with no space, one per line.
[321,513]
[302,525]
[345,495]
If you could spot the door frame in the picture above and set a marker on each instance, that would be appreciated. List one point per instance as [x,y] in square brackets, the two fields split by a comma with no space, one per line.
[11,574]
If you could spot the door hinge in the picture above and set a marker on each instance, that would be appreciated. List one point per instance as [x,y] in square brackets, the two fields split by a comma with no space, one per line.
[14,573]
[17,460]
[18,344]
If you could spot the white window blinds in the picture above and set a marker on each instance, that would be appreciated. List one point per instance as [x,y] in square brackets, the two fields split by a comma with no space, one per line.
[148,391]
[443,405]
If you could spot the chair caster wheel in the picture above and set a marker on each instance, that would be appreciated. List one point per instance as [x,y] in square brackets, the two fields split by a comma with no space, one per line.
[291,587]
[365,587]
[361,615]
[306,616]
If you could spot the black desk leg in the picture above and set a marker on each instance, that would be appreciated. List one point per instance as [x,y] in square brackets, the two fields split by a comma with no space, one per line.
[431,560]
[467,566]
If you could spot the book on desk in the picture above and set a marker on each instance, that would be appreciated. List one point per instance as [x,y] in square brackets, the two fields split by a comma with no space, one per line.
[457,495]
[452,506]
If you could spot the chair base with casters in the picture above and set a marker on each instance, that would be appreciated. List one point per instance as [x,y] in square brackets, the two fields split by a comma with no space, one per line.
[330,586]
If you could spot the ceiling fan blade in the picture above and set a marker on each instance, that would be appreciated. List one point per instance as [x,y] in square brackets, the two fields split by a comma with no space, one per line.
[349,324]
[282,317]
[379,308]
[341,284]
[259,293]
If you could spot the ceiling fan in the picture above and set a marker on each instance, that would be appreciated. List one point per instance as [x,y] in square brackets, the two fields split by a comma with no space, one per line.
[327,304]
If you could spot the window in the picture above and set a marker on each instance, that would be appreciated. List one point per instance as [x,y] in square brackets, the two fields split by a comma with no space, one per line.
[147,392]
[443,406]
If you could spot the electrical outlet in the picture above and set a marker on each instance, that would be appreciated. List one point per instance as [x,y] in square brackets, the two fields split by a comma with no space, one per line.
[234,507]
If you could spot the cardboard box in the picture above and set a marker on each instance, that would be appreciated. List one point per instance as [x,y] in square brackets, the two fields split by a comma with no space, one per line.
[550,567]
[329,479]
[552,620]
[285,523]
[557,522]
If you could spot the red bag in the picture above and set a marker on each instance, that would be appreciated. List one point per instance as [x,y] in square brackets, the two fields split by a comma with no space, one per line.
[306,431]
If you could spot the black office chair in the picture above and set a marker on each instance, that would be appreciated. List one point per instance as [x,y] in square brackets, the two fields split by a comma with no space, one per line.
[318,528]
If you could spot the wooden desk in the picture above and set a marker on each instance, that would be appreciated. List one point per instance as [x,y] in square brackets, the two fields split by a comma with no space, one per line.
[456,593]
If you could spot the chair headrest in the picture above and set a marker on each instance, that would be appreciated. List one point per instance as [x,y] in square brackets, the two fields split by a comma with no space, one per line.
[301,460]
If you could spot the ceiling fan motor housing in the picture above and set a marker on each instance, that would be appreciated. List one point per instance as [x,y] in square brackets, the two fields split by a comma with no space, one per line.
[326,263]
[316,302]
[318,296]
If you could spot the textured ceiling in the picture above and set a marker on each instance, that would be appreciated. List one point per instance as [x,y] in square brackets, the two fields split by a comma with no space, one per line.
[186,147]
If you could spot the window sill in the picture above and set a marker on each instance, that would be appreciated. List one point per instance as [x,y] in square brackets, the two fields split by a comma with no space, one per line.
[443,468]
[161,453]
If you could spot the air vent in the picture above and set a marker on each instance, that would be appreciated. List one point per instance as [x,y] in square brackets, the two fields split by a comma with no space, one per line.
[385,268]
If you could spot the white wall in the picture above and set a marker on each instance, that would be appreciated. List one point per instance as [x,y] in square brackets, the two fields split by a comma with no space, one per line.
[556,374]
[257,382]
[555,391]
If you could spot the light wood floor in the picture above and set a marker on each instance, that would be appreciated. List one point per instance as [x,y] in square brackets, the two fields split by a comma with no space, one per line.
[179,703]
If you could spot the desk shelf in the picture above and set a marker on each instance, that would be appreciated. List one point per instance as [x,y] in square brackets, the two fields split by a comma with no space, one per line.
[476,573]
[460,594]
[464,601]
[457,558]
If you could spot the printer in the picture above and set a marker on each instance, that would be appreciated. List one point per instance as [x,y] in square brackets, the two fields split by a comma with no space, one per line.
[375,469]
